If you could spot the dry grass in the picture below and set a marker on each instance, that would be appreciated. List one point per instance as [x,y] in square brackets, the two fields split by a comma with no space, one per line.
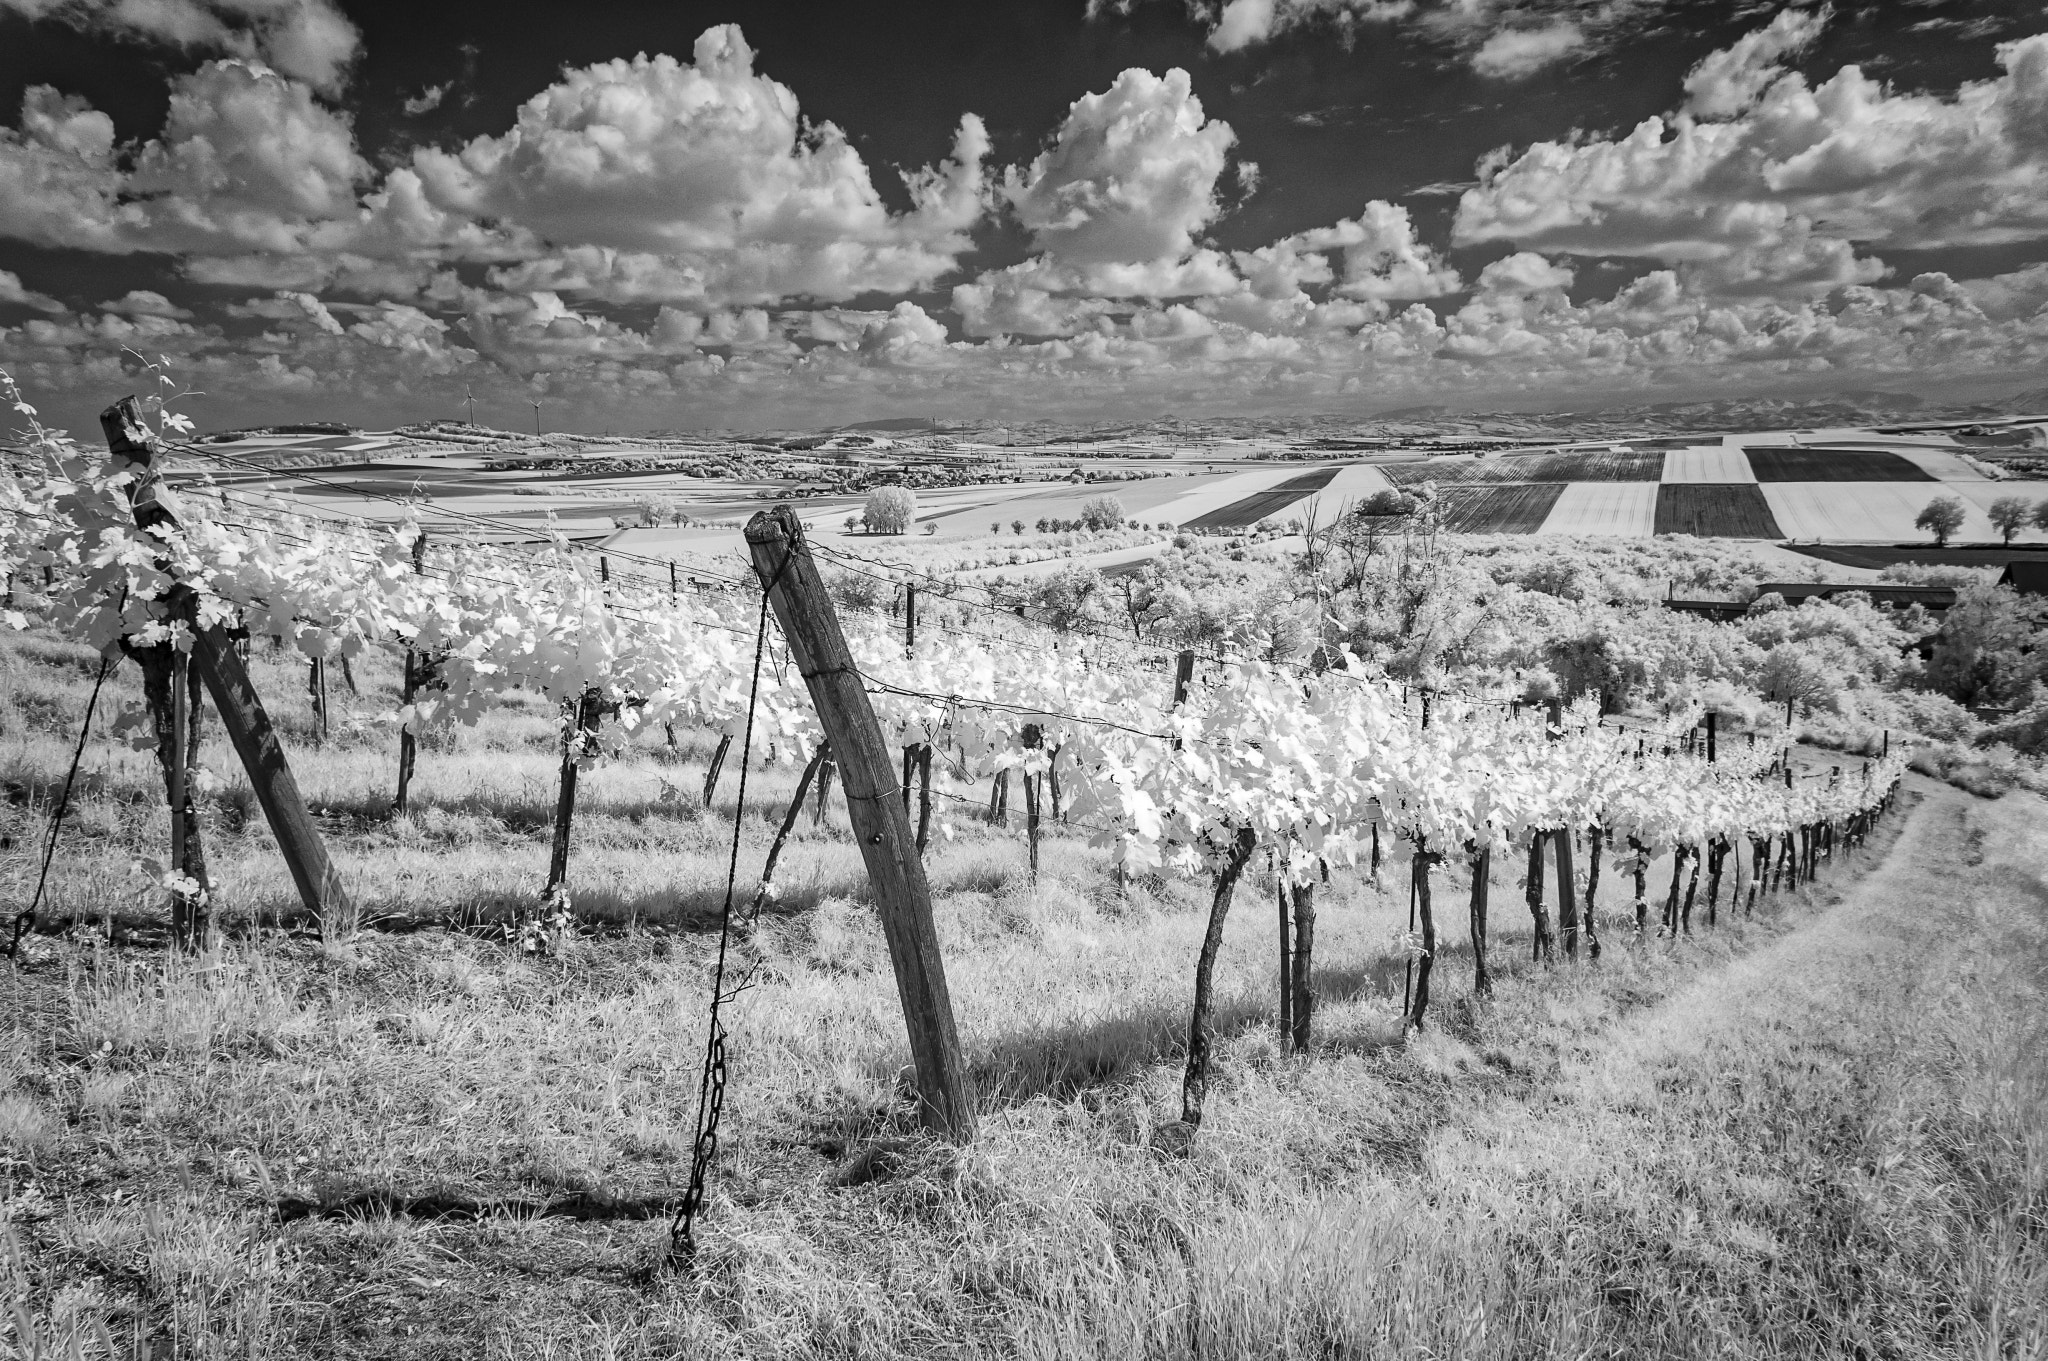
[1821,1133]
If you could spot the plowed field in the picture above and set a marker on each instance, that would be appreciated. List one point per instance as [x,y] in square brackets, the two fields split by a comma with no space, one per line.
[1782,463]
[1720,510]
[1259,505]
[1636,466]
[1518,509]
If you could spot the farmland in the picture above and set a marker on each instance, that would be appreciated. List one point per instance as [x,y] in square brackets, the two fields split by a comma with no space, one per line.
[1778,463]
[1629,466]
[1623,508]
[1735,510]
[1259,505]
[1516,508]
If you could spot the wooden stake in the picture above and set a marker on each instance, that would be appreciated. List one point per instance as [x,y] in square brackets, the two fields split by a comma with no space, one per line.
[1424,859]
[1303,960]
[580,717]
[1482,871]
[1286,959]
[408,745]
[1034,739]
[241,711]
[804,610]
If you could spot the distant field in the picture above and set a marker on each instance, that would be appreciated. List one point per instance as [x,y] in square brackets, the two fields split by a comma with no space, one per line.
[1784,463]
[1639,466]
[1707,463]
[1725,510]
[1518,509]
[1628,509]
[1862,510]
[1259,505]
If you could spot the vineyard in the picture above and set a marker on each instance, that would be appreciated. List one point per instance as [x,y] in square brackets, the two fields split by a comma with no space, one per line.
[1512,508]
[958,722]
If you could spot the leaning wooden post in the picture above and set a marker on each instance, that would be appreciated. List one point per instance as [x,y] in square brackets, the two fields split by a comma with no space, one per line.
[881,828]
[242,715]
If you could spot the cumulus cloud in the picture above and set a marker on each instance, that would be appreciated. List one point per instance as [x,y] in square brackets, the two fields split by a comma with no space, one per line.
[14,294]
[1863,162]
[310,40]
[629,181]
[1130,177]
[426,101]
[1728,81]
[1516,53]
[141,302]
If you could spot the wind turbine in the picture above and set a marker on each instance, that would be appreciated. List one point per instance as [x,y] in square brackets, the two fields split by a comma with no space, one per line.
[536,418]
[470,397]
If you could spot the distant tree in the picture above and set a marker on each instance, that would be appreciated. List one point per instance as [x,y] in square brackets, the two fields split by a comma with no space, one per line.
[1016,526]
[889,510]
[931,526]
[1042,523]
[1070,597]
[853,523]
[2009,515]
[2041,514]
[1942,517]
[996,528]
[1102,512]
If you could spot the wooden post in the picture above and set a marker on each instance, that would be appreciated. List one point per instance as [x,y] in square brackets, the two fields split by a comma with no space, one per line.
[316,686]
[1712,727]
[407,743]
[1302,958]
[1034,740]
[717,761]
[1482,871]
[1183,672]
[1286,961]
[671,581]
[909,619]
[580,718]
[241,711]
[1424,858]
[881,828]
[1567,894]
[1596,838]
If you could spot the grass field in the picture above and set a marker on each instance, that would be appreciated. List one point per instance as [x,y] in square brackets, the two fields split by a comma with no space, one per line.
[1813,1134]
[1863,510]
[1782,463]
[1732,510]
[1633,466]
[1511,509]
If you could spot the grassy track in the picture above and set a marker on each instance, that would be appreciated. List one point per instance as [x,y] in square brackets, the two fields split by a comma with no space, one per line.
[1819,1133]
[1730,510]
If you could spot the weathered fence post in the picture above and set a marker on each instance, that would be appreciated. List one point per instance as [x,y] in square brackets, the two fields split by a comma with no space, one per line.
[408,745]
[241,711]
[881,828]
[580,718]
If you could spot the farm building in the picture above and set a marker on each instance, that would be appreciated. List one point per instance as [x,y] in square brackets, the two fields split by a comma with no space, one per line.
[1889,594]
[2028,578]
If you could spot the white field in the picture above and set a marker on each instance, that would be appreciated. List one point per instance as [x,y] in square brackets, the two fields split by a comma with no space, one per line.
[1867,510]
[1981,493]
[1942,464]
[1613,508]
[1224,490]
[1353,482]
[1708,463]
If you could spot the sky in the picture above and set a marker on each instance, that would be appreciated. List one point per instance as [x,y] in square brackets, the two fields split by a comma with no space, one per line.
[662,214]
